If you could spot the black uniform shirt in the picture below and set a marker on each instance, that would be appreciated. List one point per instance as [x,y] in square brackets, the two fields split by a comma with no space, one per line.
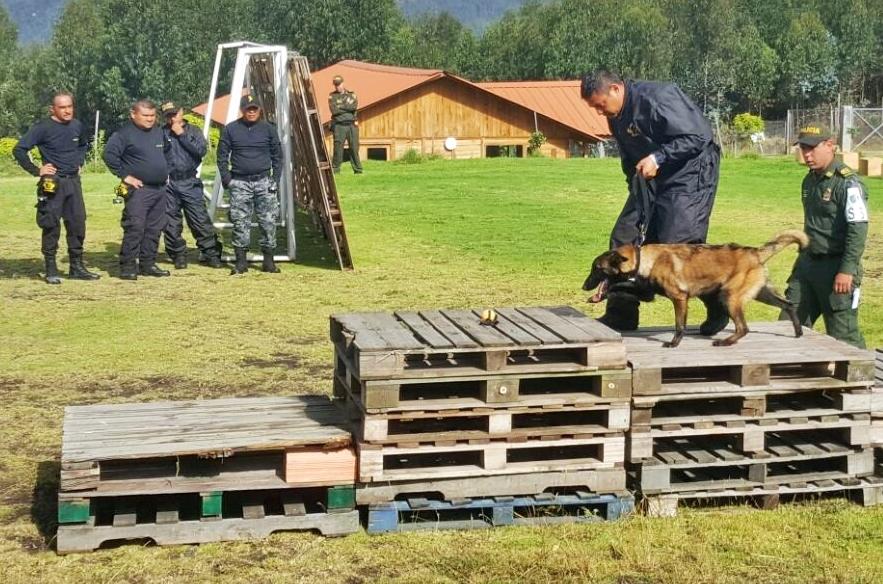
[62,145]
[137,152]
[184,153]
[658,119]
[249,149]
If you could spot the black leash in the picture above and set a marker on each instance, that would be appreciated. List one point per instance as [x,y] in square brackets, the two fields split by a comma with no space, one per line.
[641,190]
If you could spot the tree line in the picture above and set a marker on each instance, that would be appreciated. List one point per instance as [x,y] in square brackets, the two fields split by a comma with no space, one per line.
[731,56]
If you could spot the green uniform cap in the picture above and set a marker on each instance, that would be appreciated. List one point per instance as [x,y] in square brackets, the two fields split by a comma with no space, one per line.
[812,136]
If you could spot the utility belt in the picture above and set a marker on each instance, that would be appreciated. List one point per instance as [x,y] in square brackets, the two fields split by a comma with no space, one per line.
[251,177]
[67,176]
[349,123]
[183,175]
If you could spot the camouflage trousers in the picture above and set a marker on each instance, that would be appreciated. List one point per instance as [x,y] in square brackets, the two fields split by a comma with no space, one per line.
[249,198]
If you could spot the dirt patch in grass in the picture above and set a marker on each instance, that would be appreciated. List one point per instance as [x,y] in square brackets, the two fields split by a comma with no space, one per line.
[275,360]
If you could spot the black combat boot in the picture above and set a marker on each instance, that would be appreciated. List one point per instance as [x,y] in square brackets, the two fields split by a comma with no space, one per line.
[241,265]
[268,264]
[51,270]
[153,270]
[78,270]
[621,313]
[213,261]
[717,316]
[128,271]
[180,261]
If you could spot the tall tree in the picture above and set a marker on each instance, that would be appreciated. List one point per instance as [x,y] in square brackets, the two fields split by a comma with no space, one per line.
[809,61]
[435,41]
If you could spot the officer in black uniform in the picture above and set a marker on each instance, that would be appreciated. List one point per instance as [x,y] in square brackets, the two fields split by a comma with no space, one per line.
[185,147]
[135,154]
[663,136]
[63,143]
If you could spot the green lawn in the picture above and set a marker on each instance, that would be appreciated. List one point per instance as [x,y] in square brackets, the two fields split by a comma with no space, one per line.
[439,234]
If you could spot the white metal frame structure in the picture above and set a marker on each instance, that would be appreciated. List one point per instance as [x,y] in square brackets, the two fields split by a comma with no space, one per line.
[245,51]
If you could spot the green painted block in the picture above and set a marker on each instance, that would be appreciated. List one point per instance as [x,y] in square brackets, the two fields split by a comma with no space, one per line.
[341,498]
[212,503]
[74,511]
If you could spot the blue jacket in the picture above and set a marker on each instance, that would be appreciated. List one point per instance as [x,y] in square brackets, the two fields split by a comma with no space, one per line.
[184,153]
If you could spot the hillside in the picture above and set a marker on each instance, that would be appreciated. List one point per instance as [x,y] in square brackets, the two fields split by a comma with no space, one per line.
[35,19]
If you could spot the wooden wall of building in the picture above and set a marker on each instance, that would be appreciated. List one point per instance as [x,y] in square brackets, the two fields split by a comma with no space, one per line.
[423,117]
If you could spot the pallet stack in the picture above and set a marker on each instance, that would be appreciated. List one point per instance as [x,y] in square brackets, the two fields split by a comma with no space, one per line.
[473,425]
[200,471]
[772,415]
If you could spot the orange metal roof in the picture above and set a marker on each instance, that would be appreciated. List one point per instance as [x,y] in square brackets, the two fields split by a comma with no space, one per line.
[557,100]
[219,112]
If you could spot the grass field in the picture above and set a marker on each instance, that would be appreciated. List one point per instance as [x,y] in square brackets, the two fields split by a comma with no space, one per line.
[438,234]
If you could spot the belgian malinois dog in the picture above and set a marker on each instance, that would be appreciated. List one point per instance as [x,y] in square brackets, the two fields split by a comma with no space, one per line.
[684,271]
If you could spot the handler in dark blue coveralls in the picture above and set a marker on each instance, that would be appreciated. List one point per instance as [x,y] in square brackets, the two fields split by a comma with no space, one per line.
[135,154]
[185,147]
[62,142]
[663,136]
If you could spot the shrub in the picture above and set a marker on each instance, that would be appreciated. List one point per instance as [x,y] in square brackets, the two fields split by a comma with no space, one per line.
[214,134]
[6,146]
[746,124]
[535,142]
[412,156]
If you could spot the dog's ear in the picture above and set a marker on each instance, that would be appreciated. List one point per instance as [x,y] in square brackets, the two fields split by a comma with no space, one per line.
[601,270]
[617,259]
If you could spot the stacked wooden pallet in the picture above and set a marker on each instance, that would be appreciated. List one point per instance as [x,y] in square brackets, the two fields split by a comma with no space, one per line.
[446,406]
[198,471]
[769,416]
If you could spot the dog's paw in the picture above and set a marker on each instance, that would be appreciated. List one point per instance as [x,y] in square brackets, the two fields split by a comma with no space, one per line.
[722,343]
[670,344]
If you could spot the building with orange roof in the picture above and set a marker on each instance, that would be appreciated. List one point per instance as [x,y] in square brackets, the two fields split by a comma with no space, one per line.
[403,108]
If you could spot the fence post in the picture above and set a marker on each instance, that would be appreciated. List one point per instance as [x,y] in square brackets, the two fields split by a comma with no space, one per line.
[846,129]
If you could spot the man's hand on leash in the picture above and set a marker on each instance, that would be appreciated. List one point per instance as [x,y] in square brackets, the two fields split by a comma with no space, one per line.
[647,166]
[600,292]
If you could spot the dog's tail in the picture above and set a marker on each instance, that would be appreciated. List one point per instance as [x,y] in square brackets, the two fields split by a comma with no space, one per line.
[781,241]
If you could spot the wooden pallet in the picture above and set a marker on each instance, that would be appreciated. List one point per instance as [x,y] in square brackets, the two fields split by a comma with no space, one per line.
[605,480]
[191,446]
[484,458]
[445,393]
[514,423]
[866,491]
[548,509]
[702,411]
[453,343]
[768,358]
[685,464]
[753,436]
[204,517]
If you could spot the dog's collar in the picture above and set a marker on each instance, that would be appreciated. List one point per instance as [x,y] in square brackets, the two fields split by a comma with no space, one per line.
[634,272]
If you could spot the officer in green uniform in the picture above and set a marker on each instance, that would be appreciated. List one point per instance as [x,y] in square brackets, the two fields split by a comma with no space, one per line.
[344,125]
[826,280]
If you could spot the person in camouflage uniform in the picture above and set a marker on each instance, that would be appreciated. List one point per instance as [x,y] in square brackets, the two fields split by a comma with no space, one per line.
[250,163]
[344,125]
[826,279]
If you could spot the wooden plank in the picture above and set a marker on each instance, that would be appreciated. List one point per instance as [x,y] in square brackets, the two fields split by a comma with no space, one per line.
[544,335]
[561,327]
[589,325]
[424,330]
[448,329]
[518,335]
[368,339]
[486,336]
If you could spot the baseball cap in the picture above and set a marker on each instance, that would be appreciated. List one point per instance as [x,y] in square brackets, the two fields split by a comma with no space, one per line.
[337,80]
[247,102]
[813,135]
[169,108]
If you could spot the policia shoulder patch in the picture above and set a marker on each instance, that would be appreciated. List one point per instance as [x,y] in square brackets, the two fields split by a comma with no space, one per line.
[856,211]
